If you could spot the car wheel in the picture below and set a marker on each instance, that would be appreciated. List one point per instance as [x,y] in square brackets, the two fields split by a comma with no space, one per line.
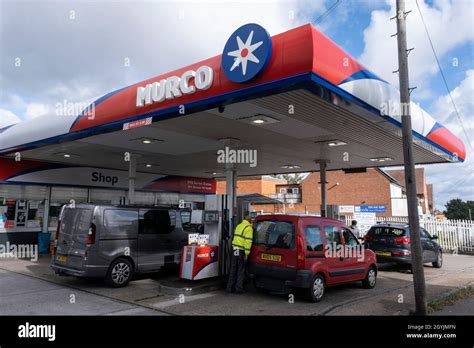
[439,260]
[317,288]
[371,278]
[120,273]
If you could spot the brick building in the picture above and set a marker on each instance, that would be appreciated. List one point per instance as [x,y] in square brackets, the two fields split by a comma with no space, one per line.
[373,187]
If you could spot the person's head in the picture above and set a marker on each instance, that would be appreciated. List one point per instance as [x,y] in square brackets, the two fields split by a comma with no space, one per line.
[354,223]
[248,217]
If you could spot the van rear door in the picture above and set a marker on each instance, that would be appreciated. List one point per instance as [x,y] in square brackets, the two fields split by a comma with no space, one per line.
[275,247]
[72,239]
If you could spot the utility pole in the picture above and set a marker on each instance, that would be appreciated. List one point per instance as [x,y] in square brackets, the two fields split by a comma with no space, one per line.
[410,176]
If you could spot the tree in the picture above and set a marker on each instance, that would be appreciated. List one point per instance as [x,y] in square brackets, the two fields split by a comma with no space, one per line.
[291,178]
[457,209]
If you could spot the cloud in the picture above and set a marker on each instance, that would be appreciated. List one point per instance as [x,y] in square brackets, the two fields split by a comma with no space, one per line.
[7,118]
[449,24]
[77,50]
[455,180]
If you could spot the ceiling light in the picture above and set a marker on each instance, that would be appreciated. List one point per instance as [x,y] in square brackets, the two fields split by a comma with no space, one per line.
[66,155]
[331,143]
[259,119]
[146,140]
[290,166]
[380,159]
[148,165]
[336,143]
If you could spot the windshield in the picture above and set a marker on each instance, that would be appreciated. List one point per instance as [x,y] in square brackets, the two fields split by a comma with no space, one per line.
[276,233]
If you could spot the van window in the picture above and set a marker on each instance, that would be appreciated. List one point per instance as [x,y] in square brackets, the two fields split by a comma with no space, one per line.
[332,235]
[314,241]
[76,220]
[280,234]
[153,221]
[349,238]
[120,222]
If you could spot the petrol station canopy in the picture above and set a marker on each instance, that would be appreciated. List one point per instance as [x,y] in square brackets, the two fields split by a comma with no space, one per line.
[308,101]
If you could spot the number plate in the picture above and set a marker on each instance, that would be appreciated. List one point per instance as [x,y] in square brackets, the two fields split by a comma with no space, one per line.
[383,253]
[270,257]
[61,258]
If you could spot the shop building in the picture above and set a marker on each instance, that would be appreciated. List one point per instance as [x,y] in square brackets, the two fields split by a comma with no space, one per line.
[32,194]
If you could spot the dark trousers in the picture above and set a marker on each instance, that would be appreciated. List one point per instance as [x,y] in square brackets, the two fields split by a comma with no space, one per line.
[237,271]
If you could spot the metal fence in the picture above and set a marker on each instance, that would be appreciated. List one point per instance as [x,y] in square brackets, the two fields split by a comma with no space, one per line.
[455,236]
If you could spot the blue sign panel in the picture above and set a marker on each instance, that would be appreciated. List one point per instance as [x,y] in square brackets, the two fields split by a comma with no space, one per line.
[370,209]
[246,53]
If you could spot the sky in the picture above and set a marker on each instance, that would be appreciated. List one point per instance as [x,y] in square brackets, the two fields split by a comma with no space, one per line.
[73,51]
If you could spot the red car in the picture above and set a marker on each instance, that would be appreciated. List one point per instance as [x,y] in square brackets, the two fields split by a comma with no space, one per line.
[309,252]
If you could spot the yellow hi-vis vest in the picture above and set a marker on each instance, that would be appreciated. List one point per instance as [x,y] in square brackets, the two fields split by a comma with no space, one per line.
[243,236]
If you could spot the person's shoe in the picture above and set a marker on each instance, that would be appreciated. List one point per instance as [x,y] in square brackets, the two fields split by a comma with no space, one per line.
[229,291]
[240,292]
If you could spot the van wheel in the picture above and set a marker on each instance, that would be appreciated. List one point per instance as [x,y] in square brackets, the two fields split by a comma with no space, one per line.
[316,290]
[120,273]
[371,278]
[439,260]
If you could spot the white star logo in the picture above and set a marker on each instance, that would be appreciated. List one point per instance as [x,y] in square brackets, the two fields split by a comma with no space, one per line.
[244,53]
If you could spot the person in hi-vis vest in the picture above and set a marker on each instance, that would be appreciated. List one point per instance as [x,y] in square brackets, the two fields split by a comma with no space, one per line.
[241,245]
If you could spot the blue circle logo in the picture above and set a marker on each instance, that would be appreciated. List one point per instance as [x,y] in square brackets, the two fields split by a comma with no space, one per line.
[212,253]
[246,53]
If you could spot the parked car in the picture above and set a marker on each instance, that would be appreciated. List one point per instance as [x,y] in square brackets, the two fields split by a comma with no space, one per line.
[391,243]
[295,252]
[115,242]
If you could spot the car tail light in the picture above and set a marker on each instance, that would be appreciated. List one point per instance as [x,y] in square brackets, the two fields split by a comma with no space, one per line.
[402,240]
[91,234]
[299,253]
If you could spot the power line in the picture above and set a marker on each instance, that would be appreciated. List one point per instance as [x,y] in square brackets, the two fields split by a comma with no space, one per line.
[333,6]
[444,78]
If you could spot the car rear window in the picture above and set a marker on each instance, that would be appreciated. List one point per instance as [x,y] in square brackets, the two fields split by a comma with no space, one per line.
[386,231]
[280,234]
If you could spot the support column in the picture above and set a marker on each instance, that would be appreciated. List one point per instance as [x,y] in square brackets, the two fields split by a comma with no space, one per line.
[46,205]
[231,191]
[322,179]
[132,173]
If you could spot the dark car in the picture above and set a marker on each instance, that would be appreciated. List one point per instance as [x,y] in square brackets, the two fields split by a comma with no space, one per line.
[294,252]
[391,244]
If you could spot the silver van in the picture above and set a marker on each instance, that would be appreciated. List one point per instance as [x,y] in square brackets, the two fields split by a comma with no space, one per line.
[115,242]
